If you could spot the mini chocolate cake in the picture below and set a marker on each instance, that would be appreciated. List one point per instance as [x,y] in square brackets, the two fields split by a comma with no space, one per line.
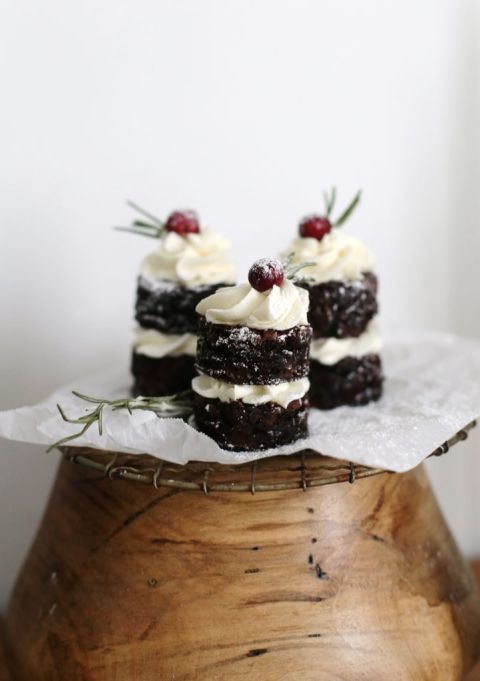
[345,364]
[253,359]
[189,264]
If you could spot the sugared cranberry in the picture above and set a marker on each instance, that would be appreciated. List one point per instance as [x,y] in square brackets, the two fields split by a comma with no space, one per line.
[315,226]
[266,273]
[183,222]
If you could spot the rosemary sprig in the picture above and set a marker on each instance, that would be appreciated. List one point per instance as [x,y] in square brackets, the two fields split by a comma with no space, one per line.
[292,269]
[329,200]
[348,210]
[169,406]
[154,228]
[287,262]
[145,213]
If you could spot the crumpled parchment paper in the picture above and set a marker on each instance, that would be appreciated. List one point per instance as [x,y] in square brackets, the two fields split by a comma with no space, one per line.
[431,392]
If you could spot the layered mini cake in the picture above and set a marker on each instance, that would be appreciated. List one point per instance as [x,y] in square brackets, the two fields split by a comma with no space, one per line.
[188,264]
[346,368]
[253,361]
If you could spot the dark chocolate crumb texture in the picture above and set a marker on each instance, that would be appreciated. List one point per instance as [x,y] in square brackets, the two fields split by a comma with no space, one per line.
[353,381]
[342,309]
[239,354]
[236,425]
[157,376]
[168,306]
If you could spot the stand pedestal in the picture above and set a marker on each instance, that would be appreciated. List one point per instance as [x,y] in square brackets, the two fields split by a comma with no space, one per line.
[348,582]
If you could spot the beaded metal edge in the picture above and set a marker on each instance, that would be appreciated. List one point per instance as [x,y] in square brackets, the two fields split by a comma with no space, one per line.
[301,471]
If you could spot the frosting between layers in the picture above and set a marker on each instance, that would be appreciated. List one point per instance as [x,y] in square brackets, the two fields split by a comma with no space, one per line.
[281,307]
[195,259]
[156,344]
[329,351]
[281,393]
[337,257]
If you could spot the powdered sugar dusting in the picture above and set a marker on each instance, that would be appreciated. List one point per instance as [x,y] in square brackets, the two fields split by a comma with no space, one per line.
[167,286]
[264,265]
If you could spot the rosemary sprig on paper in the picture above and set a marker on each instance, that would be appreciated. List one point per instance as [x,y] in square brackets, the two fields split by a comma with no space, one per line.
[152,227]
[169,406]
[292,269]
[329,200]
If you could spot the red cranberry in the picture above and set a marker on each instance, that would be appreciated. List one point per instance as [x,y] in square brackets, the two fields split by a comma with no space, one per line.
[315,226]
[266,273]
[183,222]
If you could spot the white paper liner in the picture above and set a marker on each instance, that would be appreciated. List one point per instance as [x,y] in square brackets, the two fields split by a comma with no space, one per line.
[431,392]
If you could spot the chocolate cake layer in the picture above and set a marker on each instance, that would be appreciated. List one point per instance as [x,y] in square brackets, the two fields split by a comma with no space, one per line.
[239,426]
[161,376]
[341,309]
[241,355]
[353,381]
[170,307]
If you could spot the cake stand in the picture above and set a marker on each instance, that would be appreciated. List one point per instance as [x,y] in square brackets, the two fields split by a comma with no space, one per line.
[299,568]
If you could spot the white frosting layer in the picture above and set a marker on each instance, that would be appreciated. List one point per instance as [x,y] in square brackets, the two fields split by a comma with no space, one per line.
[281,307]
[337,257]
[282,393]
[195,259]
[157,344]
[331,350]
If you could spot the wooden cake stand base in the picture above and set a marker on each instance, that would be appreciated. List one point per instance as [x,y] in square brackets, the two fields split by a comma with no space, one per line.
[350,582]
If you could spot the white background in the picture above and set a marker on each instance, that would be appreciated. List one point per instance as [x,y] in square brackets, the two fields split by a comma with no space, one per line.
[245,111]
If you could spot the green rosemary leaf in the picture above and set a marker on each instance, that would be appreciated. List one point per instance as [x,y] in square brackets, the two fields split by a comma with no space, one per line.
[100,419]
[62,413]
[348,211]
[326,201]
[288,261]
[147,225]
[331,202]
[168,406]
[87,398]
[142,227]
[69,438]
[144,212]
[79,420]
[140,231]
[299,281]
[295,269]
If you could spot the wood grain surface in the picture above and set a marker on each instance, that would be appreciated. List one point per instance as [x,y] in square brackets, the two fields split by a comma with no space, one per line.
[4,675]
[347,582]
[475,674]
[476,569]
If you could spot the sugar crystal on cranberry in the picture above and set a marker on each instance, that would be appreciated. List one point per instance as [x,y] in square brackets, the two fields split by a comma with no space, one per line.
[266,273]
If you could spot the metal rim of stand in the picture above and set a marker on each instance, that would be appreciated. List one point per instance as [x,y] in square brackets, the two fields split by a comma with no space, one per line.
[298,471]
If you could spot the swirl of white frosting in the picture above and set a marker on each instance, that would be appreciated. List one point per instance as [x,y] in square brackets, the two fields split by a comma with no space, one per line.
[282,393]
[337,257]
[331,350]
[153,343]
[191,260]
[281,307]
